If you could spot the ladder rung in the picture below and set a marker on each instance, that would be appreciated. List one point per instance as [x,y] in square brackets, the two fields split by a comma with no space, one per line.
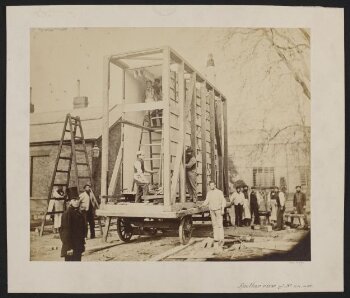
[84,177]
[82,164]
[152,158]
[67,130]
[79,138]
[155,153]
[62,171]
[153,144]
[60,184]
[80,150]
[65,157]
[159,117]
[157,140]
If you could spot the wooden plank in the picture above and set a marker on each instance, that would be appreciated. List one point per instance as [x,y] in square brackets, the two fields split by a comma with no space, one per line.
[193,121]
[105,126]
[203,95]
[218,126]
[180,145]
[172,251]
[113,183]
[166,128]
[226,173]
[182,121]
[140,53]
[212,134]
[143,106]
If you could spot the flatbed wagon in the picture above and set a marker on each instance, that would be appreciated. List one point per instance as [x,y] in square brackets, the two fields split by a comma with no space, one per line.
[189,112]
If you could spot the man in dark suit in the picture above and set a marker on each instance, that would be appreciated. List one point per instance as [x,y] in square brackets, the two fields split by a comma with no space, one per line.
[73,232]
[299,204]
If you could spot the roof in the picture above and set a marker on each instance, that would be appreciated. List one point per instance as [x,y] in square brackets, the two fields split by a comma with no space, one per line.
[48,126]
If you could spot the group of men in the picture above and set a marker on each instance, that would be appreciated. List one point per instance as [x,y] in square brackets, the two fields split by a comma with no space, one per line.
[72,223]
[244,205]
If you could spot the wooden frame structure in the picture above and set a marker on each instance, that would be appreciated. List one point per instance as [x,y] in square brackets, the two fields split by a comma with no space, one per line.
[194,114]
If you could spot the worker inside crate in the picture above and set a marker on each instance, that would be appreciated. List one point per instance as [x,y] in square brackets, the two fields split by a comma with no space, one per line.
[153,93]
[141,181]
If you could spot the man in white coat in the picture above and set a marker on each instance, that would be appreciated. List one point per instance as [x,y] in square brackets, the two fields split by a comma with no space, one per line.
[88,205]
[216,201]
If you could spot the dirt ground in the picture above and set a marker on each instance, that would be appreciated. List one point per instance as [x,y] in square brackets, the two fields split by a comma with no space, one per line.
[275,245]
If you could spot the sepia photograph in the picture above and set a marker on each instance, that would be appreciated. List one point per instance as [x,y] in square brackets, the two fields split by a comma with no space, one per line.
[170,144]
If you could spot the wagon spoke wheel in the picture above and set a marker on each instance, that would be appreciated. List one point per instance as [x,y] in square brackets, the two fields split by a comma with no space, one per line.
[124,229]
[185,229]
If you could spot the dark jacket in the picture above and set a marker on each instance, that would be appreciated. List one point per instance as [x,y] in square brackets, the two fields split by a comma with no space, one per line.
[73,231]
[253,200]
[302,200]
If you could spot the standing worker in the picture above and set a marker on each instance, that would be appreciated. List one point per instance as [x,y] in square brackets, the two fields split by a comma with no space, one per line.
[238,201]
[73,232]
[280,199]
[59,197]
[216,201]
[88,206]
[254,206]
[191,174]
[139,176]
[299,204]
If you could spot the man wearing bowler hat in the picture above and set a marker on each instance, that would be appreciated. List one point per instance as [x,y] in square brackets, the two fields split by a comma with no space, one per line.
[73,231]
[88,205]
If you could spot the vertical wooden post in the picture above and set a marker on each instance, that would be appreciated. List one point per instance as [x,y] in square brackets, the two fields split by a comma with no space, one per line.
[226,174]
[220,145]
[212,134]
[105,128]
[194,117]
[182,129]
[204,139]
[166,128]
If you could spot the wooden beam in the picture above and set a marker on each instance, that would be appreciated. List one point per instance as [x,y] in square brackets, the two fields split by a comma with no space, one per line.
[182,130]
[193,119]
[226,174]
[180,145]
[212,134]
[139,53]
[219,140]
[166,128]
[204,141]
[113,183]
[105,125]
[143,106]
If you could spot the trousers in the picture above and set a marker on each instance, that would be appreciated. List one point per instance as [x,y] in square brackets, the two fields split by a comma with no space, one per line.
[218,226]
[280,212]
[74,257]
[238,214]
[255,213]
[141,190]
[90,219]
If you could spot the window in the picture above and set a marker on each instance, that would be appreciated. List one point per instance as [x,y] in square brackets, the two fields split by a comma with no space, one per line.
[304,175]
[264,176]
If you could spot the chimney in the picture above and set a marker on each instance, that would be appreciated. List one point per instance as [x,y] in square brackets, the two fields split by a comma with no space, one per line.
[31,105]
[80,101]
[210,70]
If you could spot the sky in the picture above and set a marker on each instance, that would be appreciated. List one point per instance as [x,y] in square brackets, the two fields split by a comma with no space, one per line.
[61,56]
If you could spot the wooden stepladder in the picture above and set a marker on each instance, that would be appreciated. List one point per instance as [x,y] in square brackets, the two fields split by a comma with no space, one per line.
[75,156]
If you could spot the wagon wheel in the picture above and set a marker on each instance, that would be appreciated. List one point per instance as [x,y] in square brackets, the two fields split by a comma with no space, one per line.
[185,229]
[124,229]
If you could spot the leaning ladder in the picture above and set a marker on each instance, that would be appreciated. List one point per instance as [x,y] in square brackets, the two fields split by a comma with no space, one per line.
[73,126]
[153,142]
